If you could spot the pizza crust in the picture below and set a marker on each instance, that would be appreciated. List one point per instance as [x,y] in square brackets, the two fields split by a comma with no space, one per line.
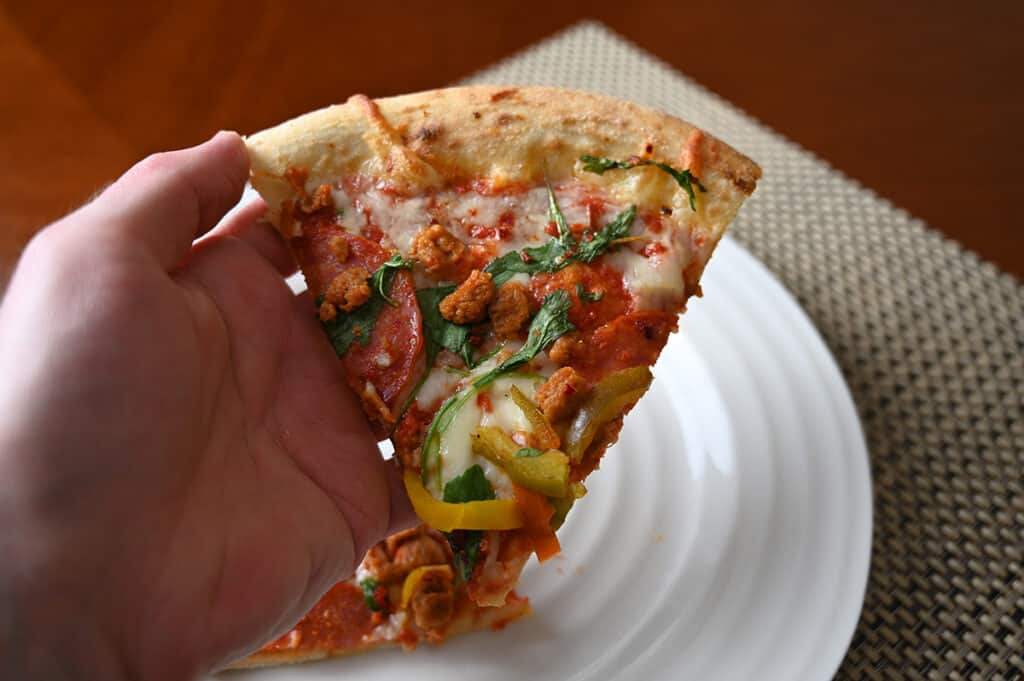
[470,619]
[420,142]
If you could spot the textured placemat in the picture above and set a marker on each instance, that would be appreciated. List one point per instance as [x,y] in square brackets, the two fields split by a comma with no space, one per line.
[931,341]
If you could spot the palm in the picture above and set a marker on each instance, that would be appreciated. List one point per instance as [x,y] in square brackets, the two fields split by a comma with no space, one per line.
[272,429]
[211,475]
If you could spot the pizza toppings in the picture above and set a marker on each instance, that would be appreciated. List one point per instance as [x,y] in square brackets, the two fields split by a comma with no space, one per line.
[576,292]
[510,310]
[429,593]
[438,250]
[684,178]
[544,472]
[497,295]
[442,334]
[348,290]
[542,435]
[339,247]
[537,512]
[361,296]
[565,349]
[468,303]
[374,595]
[491,514]
[560,395]
[608,400]
[562,250]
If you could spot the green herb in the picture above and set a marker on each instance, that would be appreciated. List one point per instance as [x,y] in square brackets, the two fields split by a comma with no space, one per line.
[489,355]
[340,212]
[586,296]
[550,257]
[381,279]
[357,326]
[555,216]
[548,325]
[561,251]
[466,550]
[369,587]
[472,485]
[684,178]
[592,245]
[439,333]
[528,453]
[430,465]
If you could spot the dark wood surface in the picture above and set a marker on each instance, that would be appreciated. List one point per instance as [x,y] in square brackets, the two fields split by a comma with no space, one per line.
[921,100]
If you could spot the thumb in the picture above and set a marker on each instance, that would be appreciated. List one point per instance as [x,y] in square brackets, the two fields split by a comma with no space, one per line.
[169,199]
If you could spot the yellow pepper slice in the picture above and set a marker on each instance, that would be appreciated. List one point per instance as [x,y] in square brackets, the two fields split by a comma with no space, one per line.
[416,576]
[608,400]
[546,436]
[564,504]
[547,473]
[496,514]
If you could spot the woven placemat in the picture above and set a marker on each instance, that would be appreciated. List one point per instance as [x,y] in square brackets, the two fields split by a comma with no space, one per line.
[931,342]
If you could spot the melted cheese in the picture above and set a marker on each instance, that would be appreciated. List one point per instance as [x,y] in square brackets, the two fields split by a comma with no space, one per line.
[505,414]
[655,281]
[351,219]
[439,385]
[456,442]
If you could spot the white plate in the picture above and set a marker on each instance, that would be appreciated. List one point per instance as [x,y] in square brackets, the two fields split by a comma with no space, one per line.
[727,535]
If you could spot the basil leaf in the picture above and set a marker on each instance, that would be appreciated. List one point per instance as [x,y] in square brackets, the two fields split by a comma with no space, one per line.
[466,550]
[357,326]
[586,296]
[369,587]
[550,257]
[381,279]
[439,333]
[563,250]
[528,453]
[684,178]
[549,324]
[472,485]
[592,245]
[555,216]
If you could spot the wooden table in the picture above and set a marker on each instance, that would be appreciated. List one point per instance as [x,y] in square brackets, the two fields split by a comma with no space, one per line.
[921,101]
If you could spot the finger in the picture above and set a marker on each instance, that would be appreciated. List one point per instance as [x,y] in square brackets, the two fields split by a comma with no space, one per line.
[246,224]
[169,199]
[401,516]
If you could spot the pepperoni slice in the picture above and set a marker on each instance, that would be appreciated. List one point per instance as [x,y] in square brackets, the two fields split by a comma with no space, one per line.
[338,621]
[389,359]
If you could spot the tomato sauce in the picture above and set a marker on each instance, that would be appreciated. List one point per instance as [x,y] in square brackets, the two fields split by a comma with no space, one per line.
[339,620]
[631,340]
[596,281]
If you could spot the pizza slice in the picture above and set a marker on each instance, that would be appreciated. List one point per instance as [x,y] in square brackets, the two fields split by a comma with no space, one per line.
[497,269]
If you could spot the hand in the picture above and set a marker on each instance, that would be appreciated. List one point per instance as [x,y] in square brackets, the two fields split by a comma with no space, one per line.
[184,471]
